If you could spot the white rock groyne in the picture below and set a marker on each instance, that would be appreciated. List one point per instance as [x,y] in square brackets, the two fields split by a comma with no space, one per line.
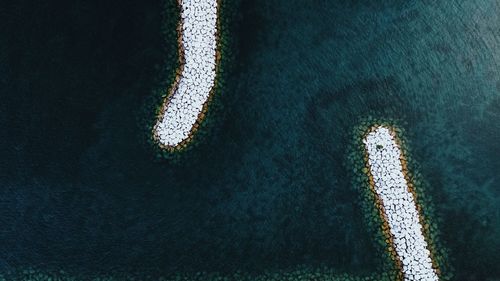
[398,204]
[196,79]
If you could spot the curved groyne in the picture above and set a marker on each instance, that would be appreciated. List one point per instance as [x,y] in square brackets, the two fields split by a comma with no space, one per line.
[184,106]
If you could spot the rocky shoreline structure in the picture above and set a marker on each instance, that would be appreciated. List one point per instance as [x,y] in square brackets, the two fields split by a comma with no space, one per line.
[186,103]
[386,168]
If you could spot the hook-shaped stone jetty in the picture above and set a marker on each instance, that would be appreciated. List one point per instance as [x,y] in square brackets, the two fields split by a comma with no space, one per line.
[187,99]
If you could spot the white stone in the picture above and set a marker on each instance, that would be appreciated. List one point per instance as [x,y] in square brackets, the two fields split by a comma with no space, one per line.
[199,41]
[399,205]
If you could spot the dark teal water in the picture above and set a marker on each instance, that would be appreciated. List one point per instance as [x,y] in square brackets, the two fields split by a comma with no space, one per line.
[268,189]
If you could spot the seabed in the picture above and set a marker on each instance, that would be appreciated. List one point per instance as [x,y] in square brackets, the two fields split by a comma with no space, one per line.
[406,235]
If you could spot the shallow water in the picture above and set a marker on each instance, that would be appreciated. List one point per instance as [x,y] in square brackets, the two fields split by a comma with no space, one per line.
[268,188]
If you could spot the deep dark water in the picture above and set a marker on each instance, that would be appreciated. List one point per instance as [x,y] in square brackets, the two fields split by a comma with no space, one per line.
[269,190]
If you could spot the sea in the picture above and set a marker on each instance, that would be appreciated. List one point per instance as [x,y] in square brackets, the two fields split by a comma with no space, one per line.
[268,187]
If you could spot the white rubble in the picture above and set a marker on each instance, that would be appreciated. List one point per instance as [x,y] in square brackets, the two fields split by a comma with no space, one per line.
[399,205]
[199,42]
